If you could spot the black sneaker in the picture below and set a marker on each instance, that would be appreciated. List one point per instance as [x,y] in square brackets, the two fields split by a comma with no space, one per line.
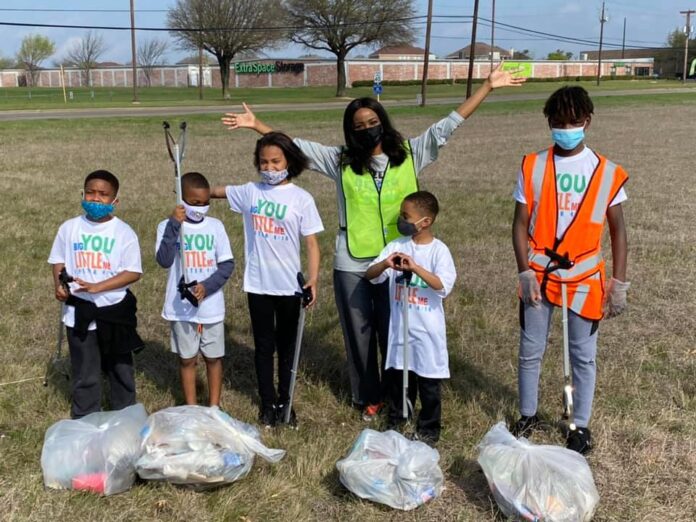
[427,437]
[280,416]
[579,440]
[267,416]
[525,426]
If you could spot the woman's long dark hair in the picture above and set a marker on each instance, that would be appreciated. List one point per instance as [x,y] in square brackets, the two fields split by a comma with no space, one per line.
[392,142]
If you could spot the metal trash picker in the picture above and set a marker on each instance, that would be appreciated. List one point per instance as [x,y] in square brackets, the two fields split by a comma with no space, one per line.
[405,280]
[306,297]
[177,151]
[562,262]
[65,281]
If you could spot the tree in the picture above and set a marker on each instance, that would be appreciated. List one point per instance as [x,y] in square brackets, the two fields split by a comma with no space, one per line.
[525,54]
[338,26]
[559,54]
[34,49]
[7,63]
[85,53]
[225,28]
[149,56]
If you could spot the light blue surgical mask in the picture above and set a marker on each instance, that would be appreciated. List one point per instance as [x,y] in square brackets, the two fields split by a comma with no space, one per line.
[96,210]
[568,139]
[273,177]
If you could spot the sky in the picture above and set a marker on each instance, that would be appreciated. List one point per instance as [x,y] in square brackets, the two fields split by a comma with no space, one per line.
[647,24]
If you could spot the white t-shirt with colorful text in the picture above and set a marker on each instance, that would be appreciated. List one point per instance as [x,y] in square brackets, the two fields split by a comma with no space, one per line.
[276,217]
[573,174]
[205,245]
[95,252]
[427,336]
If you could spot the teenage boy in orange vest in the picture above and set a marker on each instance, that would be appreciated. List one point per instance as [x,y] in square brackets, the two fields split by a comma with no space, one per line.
[564,195]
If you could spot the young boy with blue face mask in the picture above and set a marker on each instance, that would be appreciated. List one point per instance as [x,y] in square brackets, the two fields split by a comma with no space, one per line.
[433,275]
[564,196]
[208,260]
[102,254]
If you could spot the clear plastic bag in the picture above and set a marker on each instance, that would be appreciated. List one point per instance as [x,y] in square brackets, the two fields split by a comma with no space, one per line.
[537,482]
[199,446]
[95,453]
[390,469]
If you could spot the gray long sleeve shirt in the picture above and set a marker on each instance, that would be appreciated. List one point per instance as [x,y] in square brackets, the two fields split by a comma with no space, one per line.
[327,161]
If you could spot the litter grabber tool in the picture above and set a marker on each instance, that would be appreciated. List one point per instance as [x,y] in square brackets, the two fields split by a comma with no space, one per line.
[562,262]
[65,281]
[305,295]
[177,151]
[405,280]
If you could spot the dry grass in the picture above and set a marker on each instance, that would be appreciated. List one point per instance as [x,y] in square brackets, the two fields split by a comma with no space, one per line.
[645,408]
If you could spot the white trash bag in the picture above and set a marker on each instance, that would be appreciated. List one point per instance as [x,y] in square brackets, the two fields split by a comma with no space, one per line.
[537,482]
[95,453]
[199,446]
[390,469]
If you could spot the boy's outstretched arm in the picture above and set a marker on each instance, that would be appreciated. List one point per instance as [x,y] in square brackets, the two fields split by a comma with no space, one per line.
[498,78]
[218,192]
[313,258]
[245,120]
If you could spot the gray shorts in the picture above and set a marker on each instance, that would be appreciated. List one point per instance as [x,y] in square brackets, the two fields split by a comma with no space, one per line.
[188,339]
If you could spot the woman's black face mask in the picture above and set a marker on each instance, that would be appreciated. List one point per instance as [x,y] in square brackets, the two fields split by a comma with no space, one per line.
[369,138]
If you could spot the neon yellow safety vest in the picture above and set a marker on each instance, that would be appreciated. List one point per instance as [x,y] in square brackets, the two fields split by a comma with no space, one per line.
[371,214]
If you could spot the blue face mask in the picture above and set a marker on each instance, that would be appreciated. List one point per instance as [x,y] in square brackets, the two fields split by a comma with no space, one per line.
[568,139]
[96,210]
[273,177]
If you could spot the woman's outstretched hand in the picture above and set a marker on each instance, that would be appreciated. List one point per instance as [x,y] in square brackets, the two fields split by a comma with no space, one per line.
[244,120]
[499,78]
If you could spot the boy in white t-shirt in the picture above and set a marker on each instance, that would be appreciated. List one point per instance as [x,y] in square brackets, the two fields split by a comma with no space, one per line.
[564,196]
[433,276]
[101,253]
[196,319]
[277,215]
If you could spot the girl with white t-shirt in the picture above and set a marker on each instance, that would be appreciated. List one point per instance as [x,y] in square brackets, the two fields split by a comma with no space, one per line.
[277,214]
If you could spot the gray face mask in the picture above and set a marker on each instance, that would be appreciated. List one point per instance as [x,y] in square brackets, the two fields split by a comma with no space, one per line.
[407,228]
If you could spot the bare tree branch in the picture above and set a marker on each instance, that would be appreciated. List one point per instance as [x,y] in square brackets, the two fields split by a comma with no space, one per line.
[338,26]
[85,53]
[237,23]
[149,56]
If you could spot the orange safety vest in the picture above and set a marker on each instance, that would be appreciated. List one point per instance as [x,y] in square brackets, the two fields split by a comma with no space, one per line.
[580,245]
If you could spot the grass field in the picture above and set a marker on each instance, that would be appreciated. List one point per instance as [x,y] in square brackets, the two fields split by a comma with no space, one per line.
[52,98]
[645,408]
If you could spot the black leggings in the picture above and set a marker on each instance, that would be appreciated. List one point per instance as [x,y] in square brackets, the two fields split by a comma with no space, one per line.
[274,323]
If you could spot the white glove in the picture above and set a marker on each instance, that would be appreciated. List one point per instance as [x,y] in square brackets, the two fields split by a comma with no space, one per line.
[530,292]
[615,297]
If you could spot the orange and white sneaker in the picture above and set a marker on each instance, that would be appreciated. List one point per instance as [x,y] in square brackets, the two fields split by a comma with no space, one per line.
[371,411]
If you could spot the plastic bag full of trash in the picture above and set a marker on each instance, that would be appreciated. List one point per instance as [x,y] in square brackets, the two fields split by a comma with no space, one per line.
[199,446]
[390,469]
[537,482]
[95,453]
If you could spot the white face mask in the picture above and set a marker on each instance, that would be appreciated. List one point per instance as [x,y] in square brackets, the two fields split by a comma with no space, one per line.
[273,177]
[195,213]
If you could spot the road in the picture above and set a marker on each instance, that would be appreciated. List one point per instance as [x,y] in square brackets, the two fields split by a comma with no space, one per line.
[130,112]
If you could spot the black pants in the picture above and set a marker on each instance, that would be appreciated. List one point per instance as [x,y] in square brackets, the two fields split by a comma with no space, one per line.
[274,323]
[88,361]
[363,309]
[429,417]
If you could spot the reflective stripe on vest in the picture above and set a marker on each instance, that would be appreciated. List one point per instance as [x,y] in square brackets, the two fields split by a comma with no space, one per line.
[537,182]
[371,214]
[543,262]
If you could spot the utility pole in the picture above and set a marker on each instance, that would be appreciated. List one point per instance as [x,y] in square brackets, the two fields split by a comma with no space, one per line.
[200,72]
[426,59]
[472,50]
[492,32]
[602,20]
[687,30]
[133,53]
[623,42]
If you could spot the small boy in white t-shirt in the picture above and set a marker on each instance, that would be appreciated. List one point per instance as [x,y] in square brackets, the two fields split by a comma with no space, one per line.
[101,253]
[277,216]
[196,313]
[433,276]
